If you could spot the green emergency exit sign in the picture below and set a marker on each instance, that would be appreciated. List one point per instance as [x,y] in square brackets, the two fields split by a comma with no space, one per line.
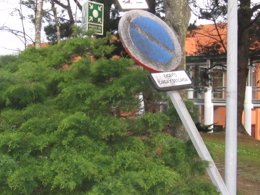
[93,17]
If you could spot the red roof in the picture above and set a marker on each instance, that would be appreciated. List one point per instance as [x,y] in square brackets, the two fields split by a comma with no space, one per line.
[205,35]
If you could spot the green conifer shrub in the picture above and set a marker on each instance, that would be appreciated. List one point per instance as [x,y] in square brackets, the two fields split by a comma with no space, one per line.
[59,134]
[20,95]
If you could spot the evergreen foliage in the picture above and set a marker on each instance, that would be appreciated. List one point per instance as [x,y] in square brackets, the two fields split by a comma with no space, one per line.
[59,134]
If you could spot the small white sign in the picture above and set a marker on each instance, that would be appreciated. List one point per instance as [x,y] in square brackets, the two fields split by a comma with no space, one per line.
[133,4]
[171,80]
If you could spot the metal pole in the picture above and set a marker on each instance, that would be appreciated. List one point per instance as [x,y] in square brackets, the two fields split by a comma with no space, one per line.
[197,141]
[231,106]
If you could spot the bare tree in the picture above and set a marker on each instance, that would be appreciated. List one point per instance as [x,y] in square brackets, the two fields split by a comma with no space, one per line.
[38,22]
[20,10]
[66,7]
[56,19]
[21,35]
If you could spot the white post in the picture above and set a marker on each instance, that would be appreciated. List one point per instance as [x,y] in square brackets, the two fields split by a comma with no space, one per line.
[141,104]
[231,105]
[190,93]
[208,110]
[247,109]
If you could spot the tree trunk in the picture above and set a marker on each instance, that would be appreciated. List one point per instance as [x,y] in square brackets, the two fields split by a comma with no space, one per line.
[151,4]
[78,5]
[38,23]
[57,23]
[107,7]
[70,12]
[22,20]
[68,8]
[177,16]
[244,18]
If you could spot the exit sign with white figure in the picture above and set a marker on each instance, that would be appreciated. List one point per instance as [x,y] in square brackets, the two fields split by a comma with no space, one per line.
[93,17]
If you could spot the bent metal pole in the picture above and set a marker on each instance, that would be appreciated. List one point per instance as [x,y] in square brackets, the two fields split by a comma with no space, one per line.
[197,141]
[152,44]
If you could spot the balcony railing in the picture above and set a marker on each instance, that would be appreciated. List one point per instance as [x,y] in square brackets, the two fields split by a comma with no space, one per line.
[219,96]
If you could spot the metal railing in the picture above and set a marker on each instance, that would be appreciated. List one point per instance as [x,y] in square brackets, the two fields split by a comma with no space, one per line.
[219,96]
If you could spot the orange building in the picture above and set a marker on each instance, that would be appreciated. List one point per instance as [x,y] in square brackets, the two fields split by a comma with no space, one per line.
[207,70]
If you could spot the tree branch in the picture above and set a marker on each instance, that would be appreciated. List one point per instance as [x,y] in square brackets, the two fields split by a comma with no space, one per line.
[209,35]
[19,34]
[255,8]
[78,4]
[60,4]
[67,7]
[220,37]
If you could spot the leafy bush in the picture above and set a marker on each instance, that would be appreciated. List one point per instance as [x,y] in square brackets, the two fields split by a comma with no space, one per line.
[8,62]
[149,123]
[105,71]
[21,95]
[81,69]
[58,134]
[175,121]
[74,95]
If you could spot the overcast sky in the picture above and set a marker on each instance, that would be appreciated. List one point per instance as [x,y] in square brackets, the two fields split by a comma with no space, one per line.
[9,43]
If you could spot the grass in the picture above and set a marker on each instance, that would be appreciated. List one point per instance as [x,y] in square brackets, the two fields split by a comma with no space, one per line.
[248,162]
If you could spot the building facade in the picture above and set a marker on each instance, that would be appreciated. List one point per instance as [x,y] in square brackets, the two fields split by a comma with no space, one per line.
[208,74]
